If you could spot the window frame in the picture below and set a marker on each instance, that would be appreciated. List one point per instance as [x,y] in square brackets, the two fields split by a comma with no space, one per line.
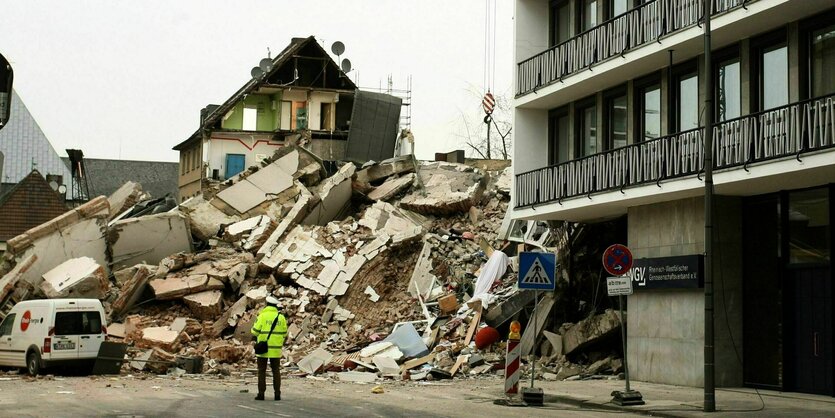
[758,47]
[579,125]
[677,74]
[553,6]
[554,115]
[10,318]
[807,27]
[609,97]
[722,58]
[639,88]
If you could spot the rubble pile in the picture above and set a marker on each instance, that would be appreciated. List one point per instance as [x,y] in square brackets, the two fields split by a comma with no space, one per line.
[384,270]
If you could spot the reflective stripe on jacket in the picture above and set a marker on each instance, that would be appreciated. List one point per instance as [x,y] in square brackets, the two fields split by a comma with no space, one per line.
[261,328]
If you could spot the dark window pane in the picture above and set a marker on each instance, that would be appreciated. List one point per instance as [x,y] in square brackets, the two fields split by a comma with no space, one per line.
[588,135]
[617,121]
[809,226]
[775,78]
[77,323]
[619,7]
[562,145]
[560,18]
[688,101]
[729,91]
[589,14]
[652,113]
[8,323]
[823,61]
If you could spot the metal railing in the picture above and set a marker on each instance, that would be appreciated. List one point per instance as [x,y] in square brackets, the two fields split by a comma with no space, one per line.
[644,24]
[776,133]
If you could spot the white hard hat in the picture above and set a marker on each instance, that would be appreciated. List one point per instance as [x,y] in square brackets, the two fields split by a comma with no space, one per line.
[271,300]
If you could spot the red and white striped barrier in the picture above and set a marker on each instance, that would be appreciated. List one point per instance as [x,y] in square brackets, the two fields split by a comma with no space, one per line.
[511,368]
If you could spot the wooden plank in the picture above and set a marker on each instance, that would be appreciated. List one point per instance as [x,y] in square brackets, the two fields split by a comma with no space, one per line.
[411,364]
[541,315]
[458,363]
[473,326]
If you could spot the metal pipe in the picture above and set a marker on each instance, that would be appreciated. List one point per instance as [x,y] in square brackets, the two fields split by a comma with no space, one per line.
[709,377]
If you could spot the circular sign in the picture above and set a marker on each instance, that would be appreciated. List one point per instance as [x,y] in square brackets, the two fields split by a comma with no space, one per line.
[24,322]
[617,260]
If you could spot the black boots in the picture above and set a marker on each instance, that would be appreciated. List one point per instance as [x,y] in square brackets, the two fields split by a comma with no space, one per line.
[278,396]
[259,397]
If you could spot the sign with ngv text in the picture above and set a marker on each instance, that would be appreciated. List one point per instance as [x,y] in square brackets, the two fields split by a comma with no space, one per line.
[678,272]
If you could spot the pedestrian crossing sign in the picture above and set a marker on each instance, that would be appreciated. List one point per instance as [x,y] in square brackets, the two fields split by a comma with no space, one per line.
[537,271]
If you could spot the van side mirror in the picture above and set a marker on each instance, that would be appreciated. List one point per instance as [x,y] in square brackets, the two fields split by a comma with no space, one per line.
[6,77]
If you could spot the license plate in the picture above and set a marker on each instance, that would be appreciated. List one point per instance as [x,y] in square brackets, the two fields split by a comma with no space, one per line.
[64,345]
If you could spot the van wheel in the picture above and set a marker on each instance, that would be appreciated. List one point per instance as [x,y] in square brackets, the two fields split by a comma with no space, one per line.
[33,363]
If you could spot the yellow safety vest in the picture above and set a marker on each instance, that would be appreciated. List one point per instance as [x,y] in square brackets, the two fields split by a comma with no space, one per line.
[261,328]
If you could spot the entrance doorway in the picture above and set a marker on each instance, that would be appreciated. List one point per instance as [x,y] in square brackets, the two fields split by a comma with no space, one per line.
[788,291]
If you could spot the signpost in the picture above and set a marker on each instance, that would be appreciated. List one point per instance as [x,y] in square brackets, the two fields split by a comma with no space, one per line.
[617,260]
[537,271]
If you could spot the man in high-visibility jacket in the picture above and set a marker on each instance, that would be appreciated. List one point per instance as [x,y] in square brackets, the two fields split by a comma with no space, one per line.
[261,332]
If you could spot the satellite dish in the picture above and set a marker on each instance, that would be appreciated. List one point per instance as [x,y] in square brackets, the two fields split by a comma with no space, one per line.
[53,185]
[266,65]
[346,65]
[62,189]
[256,72]
[338,48]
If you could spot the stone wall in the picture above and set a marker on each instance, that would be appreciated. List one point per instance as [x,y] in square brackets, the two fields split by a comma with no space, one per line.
[666,327]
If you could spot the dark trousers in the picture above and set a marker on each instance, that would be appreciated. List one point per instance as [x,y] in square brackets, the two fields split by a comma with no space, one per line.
[262,374]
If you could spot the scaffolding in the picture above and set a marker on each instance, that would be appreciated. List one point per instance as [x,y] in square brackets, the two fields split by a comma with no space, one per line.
[404,94]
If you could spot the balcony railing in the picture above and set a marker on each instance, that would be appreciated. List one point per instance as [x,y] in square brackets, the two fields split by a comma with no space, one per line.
[644,24]
[776,133]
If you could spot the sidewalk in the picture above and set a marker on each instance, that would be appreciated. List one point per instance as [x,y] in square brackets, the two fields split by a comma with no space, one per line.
[680,401]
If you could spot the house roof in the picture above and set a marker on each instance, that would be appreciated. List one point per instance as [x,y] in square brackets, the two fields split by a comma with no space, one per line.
[296,45]
[24,147]
[28,204]
[106,176]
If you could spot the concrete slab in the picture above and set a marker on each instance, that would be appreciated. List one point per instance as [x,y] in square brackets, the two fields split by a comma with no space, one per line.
[371,294]
[311,363]
[386,365]
[76,278]
[448,188]
[242,196]
[132,290]
[205,219]
[162,337]
[334,194]
[357,377]
[272,179]
[175,287]
[148,239]
[125,197]
[205,305]
[392,187]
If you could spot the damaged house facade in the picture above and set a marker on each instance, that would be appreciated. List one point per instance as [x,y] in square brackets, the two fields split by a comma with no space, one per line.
[608,122]
[302,97]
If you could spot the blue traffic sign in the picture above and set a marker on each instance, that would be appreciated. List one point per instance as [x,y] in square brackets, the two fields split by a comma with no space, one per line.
[537,271]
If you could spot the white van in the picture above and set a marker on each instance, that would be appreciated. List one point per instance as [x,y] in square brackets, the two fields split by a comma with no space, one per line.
[37,334]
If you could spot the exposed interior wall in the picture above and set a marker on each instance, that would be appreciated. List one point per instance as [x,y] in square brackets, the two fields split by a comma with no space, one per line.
[269,112]
[665,336]
[251,146]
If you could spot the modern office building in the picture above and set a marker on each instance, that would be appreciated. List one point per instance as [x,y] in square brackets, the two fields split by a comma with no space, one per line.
[609,124]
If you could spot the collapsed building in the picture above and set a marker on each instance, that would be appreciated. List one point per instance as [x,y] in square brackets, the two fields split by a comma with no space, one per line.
[385,269]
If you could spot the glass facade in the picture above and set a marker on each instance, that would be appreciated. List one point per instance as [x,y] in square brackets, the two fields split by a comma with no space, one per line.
[775,77]
[651,113]
[588,131]
[822,61]
[728,83]
[617,121]
[688,102]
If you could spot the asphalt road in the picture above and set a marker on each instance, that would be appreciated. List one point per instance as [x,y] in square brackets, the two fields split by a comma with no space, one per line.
[167,397]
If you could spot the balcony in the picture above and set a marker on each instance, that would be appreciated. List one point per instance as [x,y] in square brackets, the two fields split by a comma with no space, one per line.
[792,132]
[647,23]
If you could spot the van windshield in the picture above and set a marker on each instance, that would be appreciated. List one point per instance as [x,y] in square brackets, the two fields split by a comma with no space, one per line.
[77,323]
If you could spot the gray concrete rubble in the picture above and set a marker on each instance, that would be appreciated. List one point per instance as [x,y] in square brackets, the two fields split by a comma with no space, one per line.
[148,239]
[392,187]
[125,197]
[590,330]
[205,219]
[385,169]
[76,278]
[447,188]
[205,305]
[334,196]
[372,268]
[77,233]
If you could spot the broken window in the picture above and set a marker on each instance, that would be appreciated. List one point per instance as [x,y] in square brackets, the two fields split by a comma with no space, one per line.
[250,119]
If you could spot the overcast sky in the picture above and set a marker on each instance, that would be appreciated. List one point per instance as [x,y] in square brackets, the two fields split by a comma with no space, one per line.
[128,78]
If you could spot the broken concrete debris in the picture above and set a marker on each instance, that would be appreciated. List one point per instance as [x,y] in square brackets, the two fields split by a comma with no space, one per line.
[76,278]
[371,267]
